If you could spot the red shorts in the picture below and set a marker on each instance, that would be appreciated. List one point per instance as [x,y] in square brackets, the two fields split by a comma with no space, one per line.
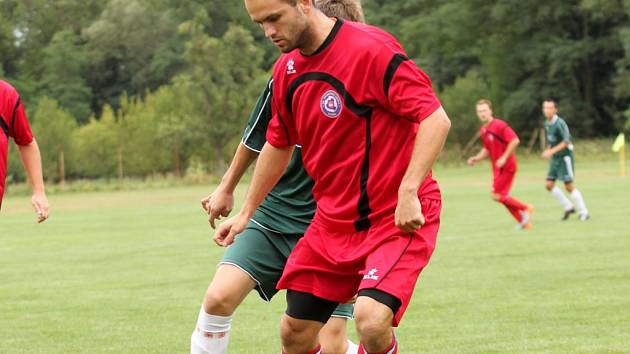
[336,265]
[503,180]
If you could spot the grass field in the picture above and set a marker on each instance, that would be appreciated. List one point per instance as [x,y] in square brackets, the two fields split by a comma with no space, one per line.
[125,272]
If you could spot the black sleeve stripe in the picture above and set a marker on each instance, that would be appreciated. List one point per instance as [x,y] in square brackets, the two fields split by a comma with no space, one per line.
[4,126]
[391,70]
[17,104]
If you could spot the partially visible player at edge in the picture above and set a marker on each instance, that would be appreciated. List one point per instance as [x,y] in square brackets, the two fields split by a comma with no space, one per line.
[257,258]
[14,124]
[561,163]
[370,128]
[499,144]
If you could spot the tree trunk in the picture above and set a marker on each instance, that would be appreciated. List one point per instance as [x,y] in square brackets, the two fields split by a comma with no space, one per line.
[62,168]
[178,163]
[121,172]
[219,163]
[532,141]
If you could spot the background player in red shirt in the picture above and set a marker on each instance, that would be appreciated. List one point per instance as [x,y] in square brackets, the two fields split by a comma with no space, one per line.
[370,127]
[499,144]
[14,124]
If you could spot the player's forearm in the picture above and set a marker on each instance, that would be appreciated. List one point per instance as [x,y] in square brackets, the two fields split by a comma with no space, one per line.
[511,148]
[32,161]
[241,161]
[427,147]
[272,162]
[563,145]
[483,153]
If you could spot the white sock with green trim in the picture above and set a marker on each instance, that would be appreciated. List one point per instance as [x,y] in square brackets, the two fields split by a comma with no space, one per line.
[564,201]
[211,335]
[576,195]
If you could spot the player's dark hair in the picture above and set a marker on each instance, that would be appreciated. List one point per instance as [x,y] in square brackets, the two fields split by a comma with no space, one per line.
[552,100]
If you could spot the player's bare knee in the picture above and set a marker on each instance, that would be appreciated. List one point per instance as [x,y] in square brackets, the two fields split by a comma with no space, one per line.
[218,303]
[569,187]
[495,196]
[291,327]
[549,185]
[298,335]
[372,324]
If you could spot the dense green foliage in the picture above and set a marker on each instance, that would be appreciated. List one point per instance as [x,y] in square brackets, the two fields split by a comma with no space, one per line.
[160,86]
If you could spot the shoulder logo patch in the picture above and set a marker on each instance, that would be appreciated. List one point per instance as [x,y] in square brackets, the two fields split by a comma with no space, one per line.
[331,104]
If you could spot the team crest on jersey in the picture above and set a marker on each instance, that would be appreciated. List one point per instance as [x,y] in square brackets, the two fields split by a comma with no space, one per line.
[291,67]
[331,104]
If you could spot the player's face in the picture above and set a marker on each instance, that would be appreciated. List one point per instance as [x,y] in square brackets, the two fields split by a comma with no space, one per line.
[484,113]
[549,109]
[283,23]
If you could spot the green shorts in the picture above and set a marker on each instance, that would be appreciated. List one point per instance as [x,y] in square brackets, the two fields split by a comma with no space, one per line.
[561,168]
[262,254]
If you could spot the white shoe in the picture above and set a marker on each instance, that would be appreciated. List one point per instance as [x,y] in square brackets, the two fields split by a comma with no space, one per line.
[584,217]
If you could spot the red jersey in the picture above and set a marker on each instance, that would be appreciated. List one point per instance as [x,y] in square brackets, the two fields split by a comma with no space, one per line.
[14,124]
[355,107]
[496,136]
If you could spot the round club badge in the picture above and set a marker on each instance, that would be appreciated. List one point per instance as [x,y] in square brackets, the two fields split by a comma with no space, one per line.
[331,104]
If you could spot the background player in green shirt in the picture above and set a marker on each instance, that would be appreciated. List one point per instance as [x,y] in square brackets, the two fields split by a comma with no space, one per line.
[561,163]
[257,257]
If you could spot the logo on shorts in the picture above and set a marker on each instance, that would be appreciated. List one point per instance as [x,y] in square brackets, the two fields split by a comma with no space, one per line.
[371,275]
[331,104]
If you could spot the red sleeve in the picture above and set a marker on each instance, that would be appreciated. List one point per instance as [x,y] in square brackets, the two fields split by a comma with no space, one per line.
[508,133]
[20,129]
[281,131]
[407,90]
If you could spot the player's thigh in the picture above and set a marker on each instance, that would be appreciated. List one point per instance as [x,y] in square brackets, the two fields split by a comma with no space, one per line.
[228,288]
[503,181]
[317,266]
[566,169]
[262,254]
[555,169]
[395,266]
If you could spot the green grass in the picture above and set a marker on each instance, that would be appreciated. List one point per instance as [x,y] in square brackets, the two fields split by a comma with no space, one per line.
[125,272]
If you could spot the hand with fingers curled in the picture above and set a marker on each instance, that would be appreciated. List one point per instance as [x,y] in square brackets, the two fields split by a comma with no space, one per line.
[218,204]
[228,230]
[408,215]
[40,204]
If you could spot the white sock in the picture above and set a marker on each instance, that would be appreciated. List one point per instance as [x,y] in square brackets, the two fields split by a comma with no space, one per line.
[579,201]
[352,348]
[564,201]
[211,335]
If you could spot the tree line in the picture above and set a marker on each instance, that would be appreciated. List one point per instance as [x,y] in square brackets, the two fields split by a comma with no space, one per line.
[141,87]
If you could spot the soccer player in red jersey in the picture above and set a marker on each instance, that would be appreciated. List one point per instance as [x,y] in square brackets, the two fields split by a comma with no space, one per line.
[14,124]
[370,128]
[499,144]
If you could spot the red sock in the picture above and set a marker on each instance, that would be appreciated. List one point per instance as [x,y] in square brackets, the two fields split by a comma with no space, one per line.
[317,350]
[515,213]
[512,203]
[392,349]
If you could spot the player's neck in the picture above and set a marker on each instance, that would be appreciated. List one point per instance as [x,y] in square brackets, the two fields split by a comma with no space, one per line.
[488,122]
[319,30]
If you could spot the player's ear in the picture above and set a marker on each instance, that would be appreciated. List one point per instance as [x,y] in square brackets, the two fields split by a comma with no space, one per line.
[306,6]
